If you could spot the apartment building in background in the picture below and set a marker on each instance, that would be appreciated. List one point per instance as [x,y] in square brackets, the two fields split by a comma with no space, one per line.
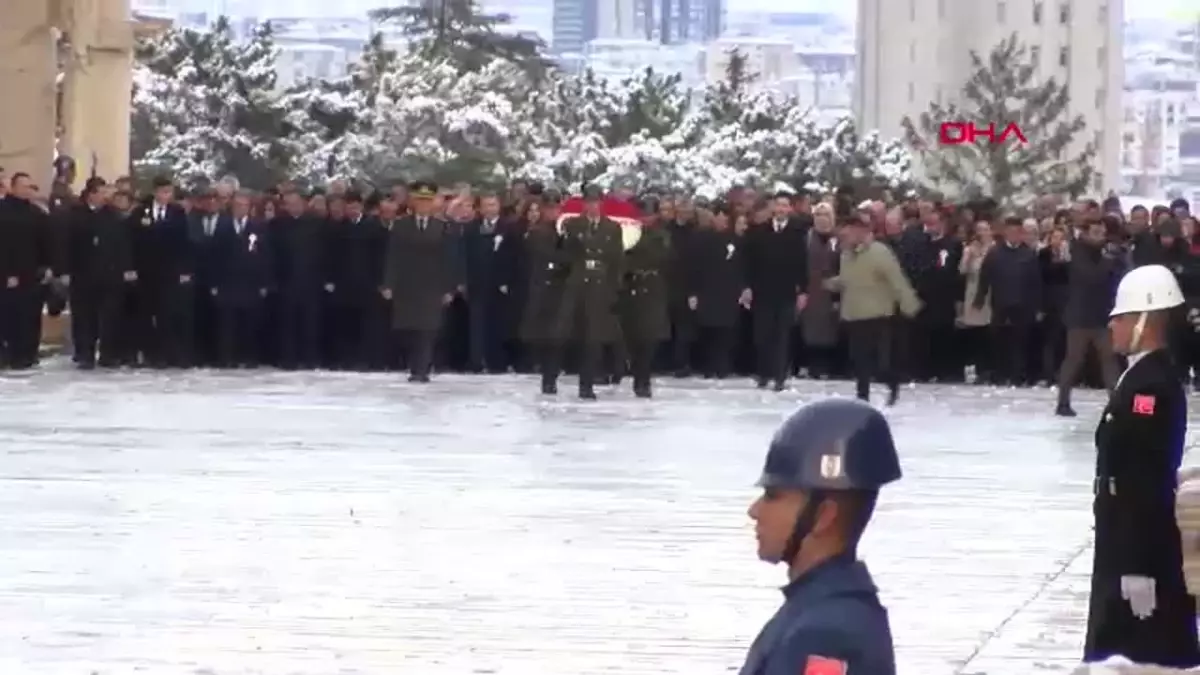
[914,52]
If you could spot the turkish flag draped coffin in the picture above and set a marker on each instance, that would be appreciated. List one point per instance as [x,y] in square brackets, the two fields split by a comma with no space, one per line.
[623,212]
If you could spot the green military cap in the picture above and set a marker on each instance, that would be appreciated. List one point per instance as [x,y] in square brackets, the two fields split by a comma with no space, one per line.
[423,189]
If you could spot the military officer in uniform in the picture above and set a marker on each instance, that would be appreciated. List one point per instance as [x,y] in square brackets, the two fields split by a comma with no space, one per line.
[548,266]
[421,276]
[589,308]
[820,483]
[644,312]
[1139,607]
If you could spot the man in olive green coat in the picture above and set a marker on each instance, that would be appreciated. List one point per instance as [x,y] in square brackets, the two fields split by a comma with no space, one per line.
[589,304]
[645,320]
[872,285]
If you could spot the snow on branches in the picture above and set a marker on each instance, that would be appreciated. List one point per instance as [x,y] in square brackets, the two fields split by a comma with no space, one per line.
[203,107]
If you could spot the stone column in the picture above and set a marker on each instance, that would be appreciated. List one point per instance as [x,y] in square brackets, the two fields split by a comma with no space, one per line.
[27,88]
[97,88]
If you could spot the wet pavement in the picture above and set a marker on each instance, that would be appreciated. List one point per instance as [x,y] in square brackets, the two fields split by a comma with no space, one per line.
[333,524]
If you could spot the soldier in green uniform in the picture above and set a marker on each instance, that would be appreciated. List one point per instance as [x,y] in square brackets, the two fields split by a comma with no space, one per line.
[547,266]
[645,320]
[589,309]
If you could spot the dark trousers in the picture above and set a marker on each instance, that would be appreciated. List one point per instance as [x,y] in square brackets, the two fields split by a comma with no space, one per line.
[717,343]
[340,325]
[300,329]
[418,351]
[935,349]
[21,324]
[98,321]
[205,336]
[1010,343]
[549,362]
[975,350]
[773,322]
[591,355]
[375,347]
[684,335]
[641,363]
[870,346]
[485,335]
[238,324]
[166,320]
[1080,341]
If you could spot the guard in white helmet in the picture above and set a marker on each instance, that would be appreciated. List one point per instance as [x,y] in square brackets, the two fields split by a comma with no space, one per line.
[1139,606]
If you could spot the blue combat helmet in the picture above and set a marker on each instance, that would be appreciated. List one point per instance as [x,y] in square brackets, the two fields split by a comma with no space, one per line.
[835,444]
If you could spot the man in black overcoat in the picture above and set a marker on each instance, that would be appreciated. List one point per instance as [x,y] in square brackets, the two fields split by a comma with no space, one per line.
[302,273]
[777,268]
[242,274]
[165,262]
[99,272]
[488,298]
[25,257]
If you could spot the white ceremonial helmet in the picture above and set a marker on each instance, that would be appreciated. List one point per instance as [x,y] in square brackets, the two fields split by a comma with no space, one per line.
[1149,288]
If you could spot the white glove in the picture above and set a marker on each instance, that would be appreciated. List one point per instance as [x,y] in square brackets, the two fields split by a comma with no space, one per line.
[1139,592]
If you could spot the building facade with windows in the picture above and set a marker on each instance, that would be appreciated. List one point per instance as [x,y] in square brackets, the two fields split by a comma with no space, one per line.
[914,52]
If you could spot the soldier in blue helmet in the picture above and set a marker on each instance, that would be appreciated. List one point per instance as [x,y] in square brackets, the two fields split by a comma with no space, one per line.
[820,483]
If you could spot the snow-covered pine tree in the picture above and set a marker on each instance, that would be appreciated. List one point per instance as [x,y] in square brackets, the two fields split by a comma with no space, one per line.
[211,102]
[460,32]
[1005,88]
[259,148]
[572,116]
[839,157]
[654,106]
[330,116]
[431,120]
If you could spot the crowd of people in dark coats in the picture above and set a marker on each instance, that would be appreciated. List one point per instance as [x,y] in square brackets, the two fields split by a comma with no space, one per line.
[428,278]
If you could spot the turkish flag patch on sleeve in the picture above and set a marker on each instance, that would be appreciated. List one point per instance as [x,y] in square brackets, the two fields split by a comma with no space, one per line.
[823,665]
[1143,404]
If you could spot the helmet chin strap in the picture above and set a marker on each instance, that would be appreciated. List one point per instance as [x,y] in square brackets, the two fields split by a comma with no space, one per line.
[1135,339]
[807,519]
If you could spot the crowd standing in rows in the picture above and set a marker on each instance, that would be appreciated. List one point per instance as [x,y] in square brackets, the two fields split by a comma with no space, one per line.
[417,277]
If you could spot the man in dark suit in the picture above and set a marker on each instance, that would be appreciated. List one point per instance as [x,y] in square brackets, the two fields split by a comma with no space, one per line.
[205,220]
[364,240]
[25,236]
[777,270]
[487,296]
[297,240]
[421,275]
[164,258]
[241,276]
[99,272]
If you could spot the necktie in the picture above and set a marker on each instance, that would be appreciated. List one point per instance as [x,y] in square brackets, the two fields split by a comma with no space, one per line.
[158,214]
[241,225]
[421,223]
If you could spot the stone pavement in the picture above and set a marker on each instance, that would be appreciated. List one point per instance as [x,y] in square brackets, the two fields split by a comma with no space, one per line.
[329,523]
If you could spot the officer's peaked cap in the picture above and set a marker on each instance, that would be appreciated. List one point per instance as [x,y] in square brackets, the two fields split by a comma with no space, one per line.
[835,444]
[423,189]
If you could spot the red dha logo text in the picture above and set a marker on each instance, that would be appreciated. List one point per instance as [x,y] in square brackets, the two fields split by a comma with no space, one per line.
[968,133]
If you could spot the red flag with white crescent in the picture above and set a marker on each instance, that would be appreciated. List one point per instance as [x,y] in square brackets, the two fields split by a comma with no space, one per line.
[623,212]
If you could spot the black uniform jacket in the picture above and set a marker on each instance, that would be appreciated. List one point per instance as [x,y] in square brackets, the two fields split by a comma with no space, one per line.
[1139,445]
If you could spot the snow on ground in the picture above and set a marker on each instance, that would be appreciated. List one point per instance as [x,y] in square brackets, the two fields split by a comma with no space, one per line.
[324,523]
